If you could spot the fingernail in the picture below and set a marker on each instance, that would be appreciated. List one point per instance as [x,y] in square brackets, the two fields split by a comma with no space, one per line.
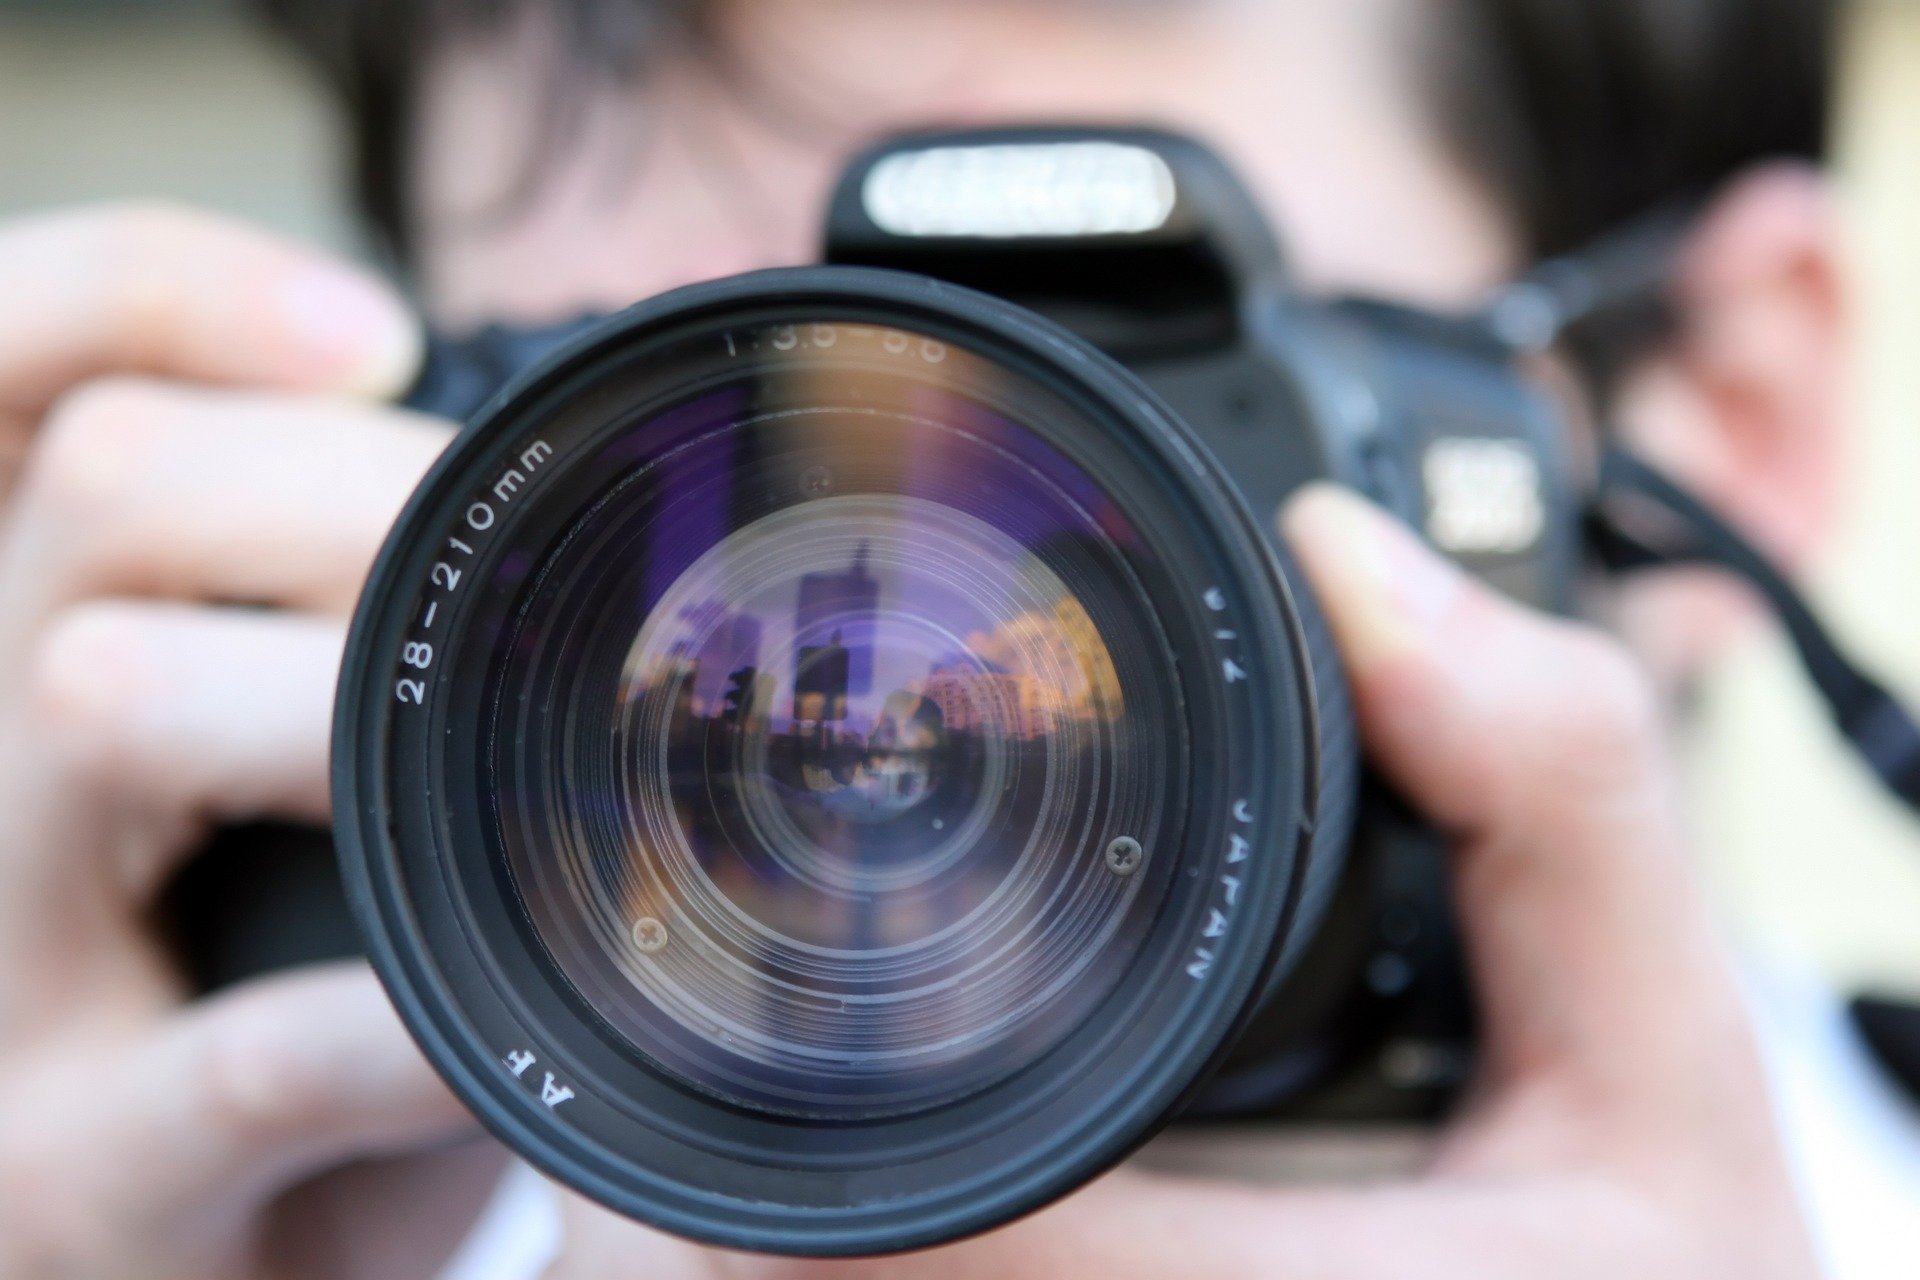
[1383,590]
[353,326]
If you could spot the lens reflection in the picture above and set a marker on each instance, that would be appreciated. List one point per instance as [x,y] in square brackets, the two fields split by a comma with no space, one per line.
[825,720]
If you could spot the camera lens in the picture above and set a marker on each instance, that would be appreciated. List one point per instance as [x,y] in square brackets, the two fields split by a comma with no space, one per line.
[826,766]
[813,734]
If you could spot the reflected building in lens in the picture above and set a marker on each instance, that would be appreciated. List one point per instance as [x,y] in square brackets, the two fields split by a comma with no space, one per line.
[821,675]
[728,643]
[990,702]
[836,610]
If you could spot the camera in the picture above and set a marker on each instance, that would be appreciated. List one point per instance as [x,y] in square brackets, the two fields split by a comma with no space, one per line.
[835,758]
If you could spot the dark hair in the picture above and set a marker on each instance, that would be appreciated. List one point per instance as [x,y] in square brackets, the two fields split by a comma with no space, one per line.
[1578,114]
[1582,114]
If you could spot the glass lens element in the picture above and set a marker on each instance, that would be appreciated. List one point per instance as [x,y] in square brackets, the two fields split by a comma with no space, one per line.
[833,740]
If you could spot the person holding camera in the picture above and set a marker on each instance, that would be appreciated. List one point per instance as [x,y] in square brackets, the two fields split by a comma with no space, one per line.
[203,463]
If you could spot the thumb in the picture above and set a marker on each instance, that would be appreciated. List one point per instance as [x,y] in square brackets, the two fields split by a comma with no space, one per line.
[1536,744]
[253,1089]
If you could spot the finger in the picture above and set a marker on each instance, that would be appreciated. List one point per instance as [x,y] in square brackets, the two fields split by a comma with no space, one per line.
[144,725]
[1134,1227]
[599,1244]
[251,1091]
[218,713]
[166,719]
[1537,744]
[146,488]
[149,288]
[457,1211]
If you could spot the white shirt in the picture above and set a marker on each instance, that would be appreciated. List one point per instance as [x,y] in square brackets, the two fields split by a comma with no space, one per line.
[1852,1135]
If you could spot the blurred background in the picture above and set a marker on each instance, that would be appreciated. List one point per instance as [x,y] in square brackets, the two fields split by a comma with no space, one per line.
[101,99]
[179,98]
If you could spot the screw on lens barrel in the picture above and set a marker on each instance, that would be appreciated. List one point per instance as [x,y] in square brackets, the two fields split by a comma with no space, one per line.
[1124,855]
[816,482]
[649,935]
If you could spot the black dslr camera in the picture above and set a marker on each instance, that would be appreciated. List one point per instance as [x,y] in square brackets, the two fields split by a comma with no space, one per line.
[833,759]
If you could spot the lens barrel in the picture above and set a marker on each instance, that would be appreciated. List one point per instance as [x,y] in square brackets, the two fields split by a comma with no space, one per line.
[826,764]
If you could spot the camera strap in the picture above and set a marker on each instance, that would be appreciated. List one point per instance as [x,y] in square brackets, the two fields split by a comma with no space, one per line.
[1640,519]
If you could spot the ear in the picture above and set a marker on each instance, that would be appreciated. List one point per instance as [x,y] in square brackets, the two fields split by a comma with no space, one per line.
[1745,403]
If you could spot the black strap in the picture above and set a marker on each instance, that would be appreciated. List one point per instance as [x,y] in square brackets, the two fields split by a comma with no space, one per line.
[1891,1028]
[1641,519]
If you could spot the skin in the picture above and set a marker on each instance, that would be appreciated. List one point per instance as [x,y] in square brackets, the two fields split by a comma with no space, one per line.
[194,407]
[191,419]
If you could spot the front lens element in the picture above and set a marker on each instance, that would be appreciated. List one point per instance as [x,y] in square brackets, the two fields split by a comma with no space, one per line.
[815,730]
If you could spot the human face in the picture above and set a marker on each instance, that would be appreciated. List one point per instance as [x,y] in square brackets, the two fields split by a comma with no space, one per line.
[722,164]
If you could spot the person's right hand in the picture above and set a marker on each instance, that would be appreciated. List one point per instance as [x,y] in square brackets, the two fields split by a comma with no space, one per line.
[196,477]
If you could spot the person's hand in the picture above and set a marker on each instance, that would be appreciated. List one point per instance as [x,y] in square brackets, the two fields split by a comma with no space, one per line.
[1622,1125]
[196,479]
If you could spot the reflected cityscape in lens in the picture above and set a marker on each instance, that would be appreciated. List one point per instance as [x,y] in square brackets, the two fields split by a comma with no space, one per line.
[874,719]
